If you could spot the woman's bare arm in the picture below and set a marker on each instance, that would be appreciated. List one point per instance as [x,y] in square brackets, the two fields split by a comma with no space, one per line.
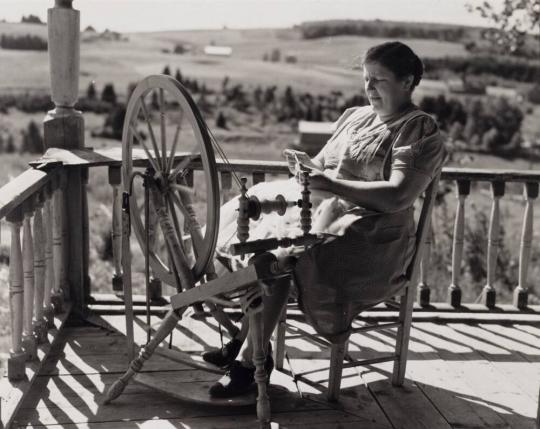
[397,193]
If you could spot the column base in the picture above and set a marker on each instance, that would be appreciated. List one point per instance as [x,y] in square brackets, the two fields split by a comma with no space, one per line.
[40,331]
[16,369]
[117,283]
[48,313]
[521,298]
[29,345]
[489,297]
[423,295]
[454,296]
[57,301]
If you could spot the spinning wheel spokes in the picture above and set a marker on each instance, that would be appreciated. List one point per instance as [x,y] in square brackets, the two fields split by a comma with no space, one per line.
[172,135]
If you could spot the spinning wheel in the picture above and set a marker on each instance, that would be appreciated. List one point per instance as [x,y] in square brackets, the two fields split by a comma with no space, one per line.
[169,158]
[160,102]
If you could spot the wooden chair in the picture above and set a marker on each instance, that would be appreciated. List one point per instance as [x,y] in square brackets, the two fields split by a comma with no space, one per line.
[339,350]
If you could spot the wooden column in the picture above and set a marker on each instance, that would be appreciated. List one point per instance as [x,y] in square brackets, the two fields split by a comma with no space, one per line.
[40,324]
[29,342]
[423,291]
[454,290]
[489,293]
[115,179]
[17,357]
[48,309]
[64,128]
[521,291]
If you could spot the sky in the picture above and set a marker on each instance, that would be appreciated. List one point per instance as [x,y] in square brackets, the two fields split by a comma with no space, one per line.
[159,15]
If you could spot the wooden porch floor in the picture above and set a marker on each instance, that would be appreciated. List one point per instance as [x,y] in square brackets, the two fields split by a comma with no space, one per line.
[479,375]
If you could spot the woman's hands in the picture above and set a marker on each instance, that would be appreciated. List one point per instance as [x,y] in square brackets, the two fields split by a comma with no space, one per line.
[318,180]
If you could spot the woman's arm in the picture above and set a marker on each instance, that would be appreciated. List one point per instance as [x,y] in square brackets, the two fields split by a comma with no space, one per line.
[397,193]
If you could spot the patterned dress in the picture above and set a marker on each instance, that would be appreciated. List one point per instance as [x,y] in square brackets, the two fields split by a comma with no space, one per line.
[365,259]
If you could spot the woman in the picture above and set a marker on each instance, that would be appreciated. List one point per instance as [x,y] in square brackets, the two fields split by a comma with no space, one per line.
[379,160]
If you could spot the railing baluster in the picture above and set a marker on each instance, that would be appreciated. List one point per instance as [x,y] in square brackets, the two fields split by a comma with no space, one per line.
[424,291]
[29,342]
[188,177]
[115,179]
[454,290]
[258,177]
[48,308]
[40,324]
[57,297]
[226,184]
[521,294]
[489,294]
[17,357]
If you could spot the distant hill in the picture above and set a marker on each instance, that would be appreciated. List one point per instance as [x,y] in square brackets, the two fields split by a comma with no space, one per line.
[469,36]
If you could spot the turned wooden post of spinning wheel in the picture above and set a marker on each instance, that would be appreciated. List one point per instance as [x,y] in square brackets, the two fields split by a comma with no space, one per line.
[305,205]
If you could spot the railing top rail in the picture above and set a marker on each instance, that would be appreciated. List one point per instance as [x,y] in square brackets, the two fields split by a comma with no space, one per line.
[16,191]
[19,189]
[113,156]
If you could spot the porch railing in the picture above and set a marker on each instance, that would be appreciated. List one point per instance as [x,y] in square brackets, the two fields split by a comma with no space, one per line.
[38,283]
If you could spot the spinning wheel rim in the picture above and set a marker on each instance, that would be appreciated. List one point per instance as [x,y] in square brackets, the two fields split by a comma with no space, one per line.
[203,142]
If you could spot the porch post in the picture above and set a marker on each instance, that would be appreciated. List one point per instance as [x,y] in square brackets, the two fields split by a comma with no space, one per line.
[64,128]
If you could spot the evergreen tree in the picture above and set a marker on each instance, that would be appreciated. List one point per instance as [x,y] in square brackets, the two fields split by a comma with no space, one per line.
[221,121]
[10,144]
[178,76]
[32,141]
[91,92]
[108,94]
[166,70]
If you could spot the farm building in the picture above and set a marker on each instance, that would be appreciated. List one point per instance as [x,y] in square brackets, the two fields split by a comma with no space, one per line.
[510,93]
[313,135]
[218,51]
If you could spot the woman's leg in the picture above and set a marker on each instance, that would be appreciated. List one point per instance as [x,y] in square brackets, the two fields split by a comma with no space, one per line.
[272,307]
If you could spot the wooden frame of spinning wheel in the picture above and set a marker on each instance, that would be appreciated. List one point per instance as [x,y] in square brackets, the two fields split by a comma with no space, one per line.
[249,278]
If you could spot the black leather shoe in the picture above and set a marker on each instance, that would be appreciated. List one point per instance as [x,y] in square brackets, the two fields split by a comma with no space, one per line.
[239,380]
[224,356]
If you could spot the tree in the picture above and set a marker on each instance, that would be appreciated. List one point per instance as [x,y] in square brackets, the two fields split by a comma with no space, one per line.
[513,20]
[275,56]
[32,141]
[108,94]
[10,144]
[91,92]
[221,121]
[166,70]
[178,76]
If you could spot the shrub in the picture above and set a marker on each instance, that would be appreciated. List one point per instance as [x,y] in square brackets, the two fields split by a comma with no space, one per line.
[25,42]
[108,94]
[32,141]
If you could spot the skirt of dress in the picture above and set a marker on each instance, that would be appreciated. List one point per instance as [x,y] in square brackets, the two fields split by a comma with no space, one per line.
[362,263]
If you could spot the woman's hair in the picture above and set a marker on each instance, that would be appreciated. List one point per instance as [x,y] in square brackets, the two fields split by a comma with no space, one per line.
[398,58]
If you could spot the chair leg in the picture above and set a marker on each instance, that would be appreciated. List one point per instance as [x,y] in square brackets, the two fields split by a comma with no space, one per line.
[337,355]
[403,335]
[279,339]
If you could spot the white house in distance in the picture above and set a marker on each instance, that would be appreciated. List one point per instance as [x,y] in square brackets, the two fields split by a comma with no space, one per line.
[218,51]
[313,135]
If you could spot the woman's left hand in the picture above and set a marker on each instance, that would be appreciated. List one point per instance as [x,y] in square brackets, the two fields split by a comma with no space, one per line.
[317,180]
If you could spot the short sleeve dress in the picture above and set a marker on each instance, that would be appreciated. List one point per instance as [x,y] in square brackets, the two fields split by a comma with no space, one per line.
[365,259]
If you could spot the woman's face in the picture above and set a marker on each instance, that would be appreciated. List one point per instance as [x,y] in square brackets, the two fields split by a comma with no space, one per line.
[386,93]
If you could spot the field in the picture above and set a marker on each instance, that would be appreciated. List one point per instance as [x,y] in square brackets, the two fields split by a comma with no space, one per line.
[321,66]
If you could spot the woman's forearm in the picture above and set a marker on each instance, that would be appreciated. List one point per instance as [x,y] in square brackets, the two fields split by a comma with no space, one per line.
[397,193]
[381,196]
